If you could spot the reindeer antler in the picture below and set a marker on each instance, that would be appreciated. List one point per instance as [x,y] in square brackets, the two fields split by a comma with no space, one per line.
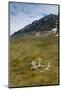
[35,66]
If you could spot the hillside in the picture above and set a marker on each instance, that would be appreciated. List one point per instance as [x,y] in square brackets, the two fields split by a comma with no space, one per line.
[23,51]
[41,42]
[44,24]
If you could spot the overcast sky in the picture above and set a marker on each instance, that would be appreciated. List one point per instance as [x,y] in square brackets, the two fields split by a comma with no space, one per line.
[22,14]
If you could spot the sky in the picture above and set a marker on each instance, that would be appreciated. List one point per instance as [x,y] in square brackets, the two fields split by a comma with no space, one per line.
[22,14]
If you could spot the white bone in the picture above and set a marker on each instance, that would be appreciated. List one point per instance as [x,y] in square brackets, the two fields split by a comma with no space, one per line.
[34,66]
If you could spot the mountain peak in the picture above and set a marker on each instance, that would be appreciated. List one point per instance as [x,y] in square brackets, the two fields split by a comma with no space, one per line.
[44,24]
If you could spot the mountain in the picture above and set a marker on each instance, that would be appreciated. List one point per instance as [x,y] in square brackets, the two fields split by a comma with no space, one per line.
[42,25]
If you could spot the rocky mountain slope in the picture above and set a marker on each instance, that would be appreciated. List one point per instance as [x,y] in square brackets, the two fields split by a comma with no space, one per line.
[42,25]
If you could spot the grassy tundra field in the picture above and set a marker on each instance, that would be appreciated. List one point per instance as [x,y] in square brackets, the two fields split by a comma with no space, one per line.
[23,51]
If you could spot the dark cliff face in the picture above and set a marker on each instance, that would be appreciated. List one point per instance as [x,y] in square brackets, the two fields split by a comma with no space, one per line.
[44,24]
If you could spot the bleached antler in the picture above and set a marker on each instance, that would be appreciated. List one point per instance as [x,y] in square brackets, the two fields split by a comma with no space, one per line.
[48,67]
[35,66]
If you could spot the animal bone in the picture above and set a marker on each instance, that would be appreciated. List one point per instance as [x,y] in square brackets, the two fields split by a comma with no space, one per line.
[34,66]
[48,67]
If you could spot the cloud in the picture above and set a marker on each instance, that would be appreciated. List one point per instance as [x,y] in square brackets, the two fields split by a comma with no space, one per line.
[13,13]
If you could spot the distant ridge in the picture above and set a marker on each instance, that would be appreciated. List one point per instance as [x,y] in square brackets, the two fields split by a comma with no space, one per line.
[44,24]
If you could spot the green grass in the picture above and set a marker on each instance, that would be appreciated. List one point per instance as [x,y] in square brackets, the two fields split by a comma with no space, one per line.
[23,51]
